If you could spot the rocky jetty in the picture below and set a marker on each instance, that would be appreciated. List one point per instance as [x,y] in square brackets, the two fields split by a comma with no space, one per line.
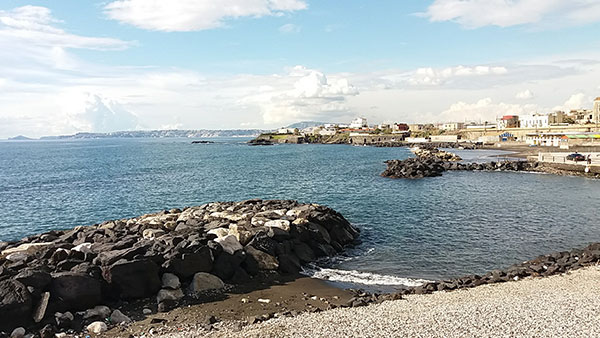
[260,142]
[433,166]
[78,279]
[202,142]
[438,154]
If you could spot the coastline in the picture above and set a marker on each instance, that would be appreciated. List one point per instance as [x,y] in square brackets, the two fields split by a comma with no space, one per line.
[563,304]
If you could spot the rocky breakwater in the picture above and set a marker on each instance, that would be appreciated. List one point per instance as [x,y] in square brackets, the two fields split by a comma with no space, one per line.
[432,166]
[436,153]
[80,278]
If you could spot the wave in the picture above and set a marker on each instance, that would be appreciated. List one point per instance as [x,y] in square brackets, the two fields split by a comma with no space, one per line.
[358,277]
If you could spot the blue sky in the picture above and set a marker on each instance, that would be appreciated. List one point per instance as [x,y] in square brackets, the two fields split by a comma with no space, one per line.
[70,66]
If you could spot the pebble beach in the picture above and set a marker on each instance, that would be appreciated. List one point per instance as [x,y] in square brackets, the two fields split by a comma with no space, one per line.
[563,305]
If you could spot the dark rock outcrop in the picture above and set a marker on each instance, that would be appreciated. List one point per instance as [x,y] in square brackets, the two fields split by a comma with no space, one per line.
[59,273]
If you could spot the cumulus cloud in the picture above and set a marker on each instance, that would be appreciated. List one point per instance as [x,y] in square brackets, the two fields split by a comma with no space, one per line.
[194,15]
[484,110]
[435,77]
[93,113]
[576,101]
[302,94]
[524,95]
[502,13]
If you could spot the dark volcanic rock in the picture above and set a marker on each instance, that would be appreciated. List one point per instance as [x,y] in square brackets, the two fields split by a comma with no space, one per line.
[190,263]
[135,279]
[75,291]
[15,304]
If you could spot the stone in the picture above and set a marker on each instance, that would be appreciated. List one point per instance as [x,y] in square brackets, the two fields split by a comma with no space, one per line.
[203,281]
[15,304]
[240,233]
[27,249]
[36,278]
[40,309]
[191,263]
[229,243]
[226,264]
[99,312]
[75,291]
[170,281]
[135,279]
[168,294]
[219,232]
[83,247]
[263,259]
[97,327]
[289,264]
[304,252]
[47,331]
[117,317]
[64,320]
[279,223]
[18,333]
[146,311]
[166,305]
[152,233]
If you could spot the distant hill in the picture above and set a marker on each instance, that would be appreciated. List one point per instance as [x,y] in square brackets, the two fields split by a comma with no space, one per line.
[200,133]
[306,124]
[20,138]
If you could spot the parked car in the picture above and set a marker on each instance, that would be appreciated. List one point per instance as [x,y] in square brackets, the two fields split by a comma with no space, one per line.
[575,157]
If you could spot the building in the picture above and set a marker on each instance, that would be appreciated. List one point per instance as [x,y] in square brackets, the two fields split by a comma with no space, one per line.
[541,120]
[596,111]
[287,131]
[444,138]
[359,122]
[581,116]
[508,121]
[400,127]
[416,127]
[452,126]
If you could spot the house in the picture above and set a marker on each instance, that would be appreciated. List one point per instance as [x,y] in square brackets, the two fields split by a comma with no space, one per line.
[452,126]
[287,131]
[541,120]
[508,121]
[416,127]
[359,122]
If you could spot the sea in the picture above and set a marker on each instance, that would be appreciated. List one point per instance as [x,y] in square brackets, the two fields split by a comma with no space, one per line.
[411,230]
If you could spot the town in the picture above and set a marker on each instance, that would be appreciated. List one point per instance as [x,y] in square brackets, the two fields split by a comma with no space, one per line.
[559,129]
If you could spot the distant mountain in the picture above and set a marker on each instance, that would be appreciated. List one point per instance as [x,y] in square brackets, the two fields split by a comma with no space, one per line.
[20,138]
[306,124]
[200,133]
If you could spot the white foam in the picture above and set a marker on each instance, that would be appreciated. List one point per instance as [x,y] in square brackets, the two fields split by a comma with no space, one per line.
[357,277]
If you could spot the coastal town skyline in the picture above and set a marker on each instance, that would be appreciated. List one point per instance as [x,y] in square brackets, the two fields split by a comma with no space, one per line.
[69,68]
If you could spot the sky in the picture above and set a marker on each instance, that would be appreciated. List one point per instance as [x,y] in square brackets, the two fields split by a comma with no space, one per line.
[98,66]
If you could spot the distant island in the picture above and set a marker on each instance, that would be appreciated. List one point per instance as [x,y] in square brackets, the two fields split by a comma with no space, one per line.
[161,134]
[20,138]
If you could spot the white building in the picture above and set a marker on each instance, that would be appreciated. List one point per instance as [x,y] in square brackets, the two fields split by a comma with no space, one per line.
[540,120]
[359,122]
[452,126]
[596,111]
[286,131]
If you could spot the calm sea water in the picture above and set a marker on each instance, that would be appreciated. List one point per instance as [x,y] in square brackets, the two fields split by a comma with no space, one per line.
[460,223]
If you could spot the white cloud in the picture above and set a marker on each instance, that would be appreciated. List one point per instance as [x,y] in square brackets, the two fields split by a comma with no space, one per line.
[194,15]
[289,28]
[303,94]
[503,13]
[525,95]
[94,113]
[576,101]
[36,26]
[435,77]
[484,110]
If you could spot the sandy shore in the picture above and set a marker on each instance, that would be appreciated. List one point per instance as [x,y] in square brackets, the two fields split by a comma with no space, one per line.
[557,306]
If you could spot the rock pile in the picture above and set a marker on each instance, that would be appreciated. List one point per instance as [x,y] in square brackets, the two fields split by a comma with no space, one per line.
[64,279]
[542,266]
[438,154]
[434,166]
[260,142]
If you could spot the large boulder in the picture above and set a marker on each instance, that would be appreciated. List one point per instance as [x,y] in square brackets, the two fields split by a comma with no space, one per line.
[203,281]
[190,263]
[229,243]
[15,305]
[135,279]
[75,291]
[263,259]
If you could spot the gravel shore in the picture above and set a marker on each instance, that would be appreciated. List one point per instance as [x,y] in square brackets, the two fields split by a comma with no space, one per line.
[557,306]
